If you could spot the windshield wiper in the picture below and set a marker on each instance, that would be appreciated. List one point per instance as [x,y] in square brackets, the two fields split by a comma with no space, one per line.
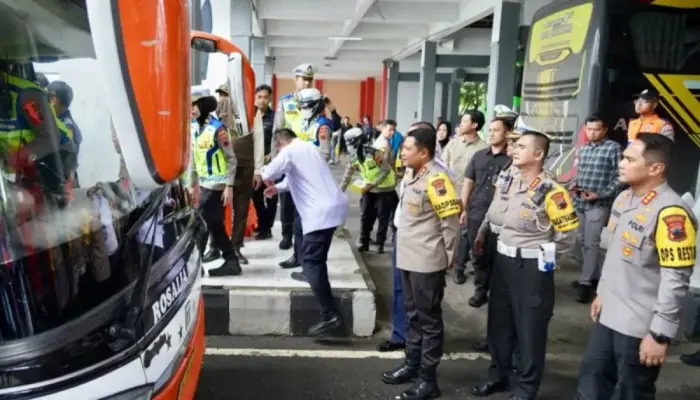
[126,331]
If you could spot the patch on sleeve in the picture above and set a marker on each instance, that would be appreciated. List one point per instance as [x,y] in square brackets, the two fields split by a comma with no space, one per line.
[442,196]
[560,210]
[675,238]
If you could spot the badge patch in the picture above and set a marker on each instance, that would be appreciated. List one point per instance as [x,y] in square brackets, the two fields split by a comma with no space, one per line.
[439,185]
[535,182]
[641,217]
[560,200]
[627,251]
[524,214]
[675,224]
[648,197]
[629,238]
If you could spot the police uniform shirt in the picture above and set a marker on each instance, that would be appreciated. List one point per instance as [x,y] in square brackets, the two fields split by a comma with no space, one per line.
[429,221]
[651,247]
[531,213]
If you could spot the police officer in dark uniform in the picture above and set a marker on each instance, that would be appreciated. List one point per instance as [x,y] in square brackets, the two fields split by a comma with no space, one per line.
[537,226]
[426,244]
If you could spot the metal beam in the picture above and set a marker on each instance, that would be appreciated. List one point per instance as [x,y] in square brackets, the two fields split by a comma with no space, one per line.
[361,8]
[392,94]
[462,61]
[426,85]
[442,77]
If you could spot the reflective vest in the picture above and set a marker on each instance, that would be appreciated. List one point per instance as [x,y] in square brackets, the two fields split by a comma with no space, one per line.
[290,108]
[309,132]
[652,124]
[17,131]
[369,170]
[209,160]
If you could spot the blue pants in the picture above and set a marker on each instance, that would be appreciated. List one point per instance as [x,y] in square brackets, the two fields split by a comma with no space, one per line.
[398,312]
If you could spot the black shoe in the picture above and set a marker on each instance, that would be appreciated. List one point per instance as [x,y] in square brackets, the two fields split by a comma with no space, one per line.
[228,268]
[325,325]
[289,263]
[460,277]
[691,359]
[585,294]
[400,375]
[211,255]
[241,257]
[422,390]
[380,249]
[478,300]
[263,235]
[388,345]
[576,284]
[481,346]
[363,247]
[488,388]
[286,243]
[298,276]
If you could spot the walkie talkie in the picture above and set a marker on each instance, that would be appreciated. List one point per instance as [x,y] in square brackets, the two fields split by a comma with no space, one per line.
[540,192]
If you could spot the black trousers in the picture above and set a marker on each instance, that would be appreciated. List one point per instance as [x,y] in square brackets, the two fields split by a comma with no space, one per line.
[212,210]
[483,263]
[376,206]
[287,212]
[298,237]
[520,308]
[423,294]
[611,359]
[265,209]
[313,261]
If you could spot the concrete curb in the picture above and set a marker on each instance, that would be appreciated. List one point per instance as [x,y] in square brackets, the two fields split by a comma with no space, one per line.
[288,312]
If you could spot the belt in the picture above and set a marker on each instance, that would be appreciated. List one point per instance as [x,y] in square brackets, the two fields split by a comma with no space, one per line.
[495,228]
[512,252]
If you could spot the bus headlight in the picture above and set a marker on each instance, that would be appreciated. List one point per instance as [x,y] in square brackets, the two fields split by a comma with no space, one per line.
[139,393]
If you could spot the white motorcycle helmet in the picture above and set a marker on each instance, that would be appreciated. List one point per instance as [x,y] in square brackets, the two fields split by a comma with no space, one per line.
[311,103]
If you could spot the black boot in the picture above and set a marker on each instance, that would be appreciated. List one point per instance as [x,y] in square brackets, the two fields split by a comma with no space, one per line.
[286,242]
[363,247]
[264,235]
[380,249]
[325,325]
[298,276]
[400,375]
[585,294]
[228,268]
[211,255]
[425,388]
[460,277]
[291,262]
[241,257]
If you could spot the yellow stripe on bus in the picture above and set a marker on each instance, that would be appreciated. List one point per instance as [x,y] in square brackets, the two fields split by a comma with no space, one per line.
[678,3]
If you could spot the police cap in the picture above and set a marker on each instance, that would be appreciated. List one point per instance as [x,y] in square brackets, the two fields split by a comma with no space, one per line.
[223,89]
[305,71]
[62,91]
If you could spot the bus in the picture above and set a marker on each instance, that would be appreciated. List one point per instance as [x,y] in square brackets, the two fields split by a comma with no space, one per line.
[588,57]
[100,275]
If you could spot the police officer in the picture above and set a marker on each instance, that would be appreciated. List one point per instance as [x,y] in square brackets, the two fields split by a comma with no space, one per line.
[61,97]
[650,241]
[212,176]
[427,239]
[375,163]
[537,225]
[286,114]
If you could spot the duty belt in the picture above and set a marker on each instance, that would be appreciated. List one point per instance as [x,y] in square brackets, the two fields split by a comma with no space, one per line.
[513,252]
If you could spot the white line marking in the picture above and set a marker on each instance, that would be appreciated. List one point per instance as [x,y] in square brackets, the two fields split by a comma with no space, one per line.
[364,354]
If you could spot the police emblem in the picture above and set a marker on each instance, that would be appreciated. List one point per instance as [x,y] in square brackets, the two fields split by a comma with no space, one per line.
[675,224]
[439,185]
[648,197]
[627,251]
[559,200]
[535,182]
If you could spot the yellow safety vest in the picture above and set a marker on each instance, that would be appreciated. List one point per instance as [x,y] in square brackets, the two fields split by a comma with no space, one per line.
[290,108]
[209,160]
[369,171]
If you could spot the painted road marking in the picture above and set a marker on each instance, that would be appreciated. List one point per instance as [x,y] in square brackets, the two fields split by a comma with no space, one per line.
[363,354]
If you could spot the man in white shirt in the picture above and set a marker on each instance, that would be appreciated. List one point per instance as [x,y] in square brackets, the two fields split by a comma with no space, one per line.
[321,207]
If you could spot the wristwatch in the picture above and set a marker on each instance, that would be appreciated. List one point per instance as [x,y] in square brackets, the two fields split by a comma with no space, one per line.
[659,338]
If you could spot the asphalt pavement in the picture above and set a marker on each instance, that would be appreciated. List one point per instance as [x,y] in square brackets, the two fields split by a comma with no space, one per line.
[250,368]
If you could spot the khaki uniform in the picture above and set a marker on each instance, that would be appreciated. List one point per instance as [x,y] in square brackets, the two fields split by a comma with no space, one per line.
[528,216]
[426,242]
[651,249]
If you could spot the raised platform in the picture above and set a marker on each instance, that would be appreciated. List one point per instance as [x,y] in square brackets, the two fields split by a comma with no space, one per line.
[265,300]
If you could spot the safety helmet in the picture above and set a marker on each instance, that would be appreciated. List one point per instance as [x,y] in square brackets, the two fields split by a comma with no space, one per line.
[311,103]
[354,140]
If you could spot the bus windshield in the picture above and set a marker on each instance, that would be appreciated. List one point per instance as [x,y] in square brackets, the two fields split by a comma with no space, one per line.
[65,195]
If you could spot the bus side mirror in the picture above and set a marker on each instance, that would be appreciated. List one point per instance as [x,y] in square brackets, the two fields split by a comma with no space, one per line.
[204,45]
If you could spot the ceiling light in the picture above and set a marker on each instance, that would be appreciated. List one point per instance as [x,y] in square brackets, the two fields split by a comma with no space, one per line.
[349,38]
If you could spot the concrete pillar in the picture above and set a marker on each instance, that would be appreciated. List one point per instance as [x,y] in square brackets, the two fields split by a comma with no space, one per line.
[454,85]
[269,67]
[504,48]
[242,26]
[392,90]
[426,85]
[258,59]
[444,99]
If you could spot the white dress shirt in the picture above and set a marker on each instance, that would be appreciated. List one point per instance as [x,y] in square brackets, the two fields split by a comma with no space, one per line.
[316,195]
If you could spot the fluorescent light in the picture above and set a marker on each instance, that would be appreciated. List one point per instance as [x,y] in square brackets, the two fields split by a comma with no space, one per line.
[349,38]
